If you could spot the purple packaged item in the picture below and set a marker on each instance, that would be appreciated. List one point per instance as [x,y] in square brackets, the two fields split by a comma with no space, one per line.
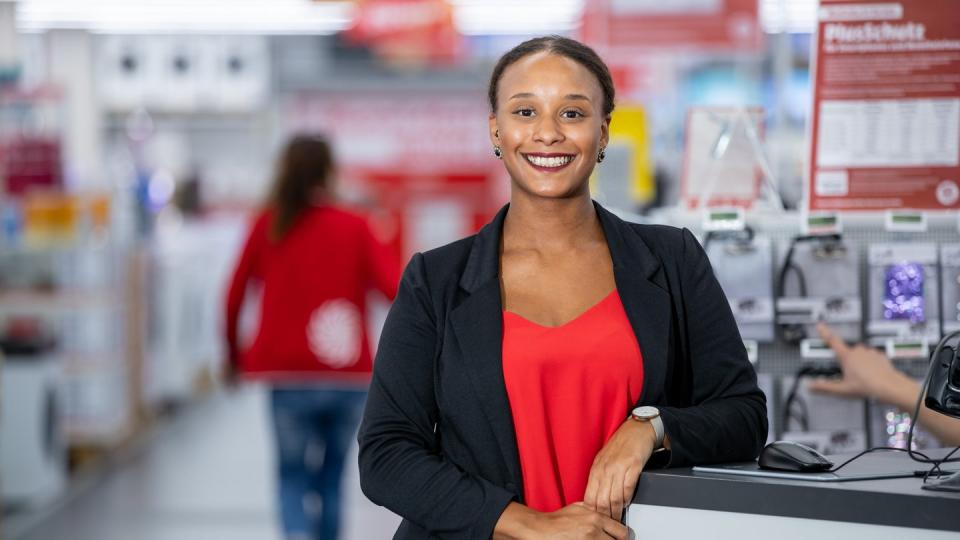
[903,296]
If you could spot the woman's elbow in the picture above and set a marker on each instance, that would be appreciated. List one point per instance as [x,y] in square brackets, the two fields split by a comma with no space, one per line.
[762,426]
[370,481]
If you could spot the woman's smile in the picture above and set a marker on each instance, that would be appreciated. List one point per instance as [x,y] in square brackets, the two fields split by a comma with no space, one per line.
[548,162]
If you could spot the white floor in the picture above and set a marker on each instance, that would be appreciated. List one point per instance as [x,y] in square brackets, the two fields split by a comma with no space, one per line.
[208,476]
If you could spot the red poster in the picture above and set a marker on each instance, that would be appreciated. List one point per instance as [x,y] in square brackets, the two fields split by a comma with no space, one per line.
[730,25]
[418,31]
[885,128]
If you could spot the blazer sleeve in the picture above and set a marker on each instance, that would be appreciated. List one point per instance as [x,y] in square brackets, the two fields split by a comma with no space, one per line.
[727,420]
[401,465]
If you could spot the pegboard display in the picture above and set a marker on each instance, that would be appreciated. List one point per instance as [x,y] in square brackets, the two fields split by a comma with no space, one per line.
[860,232]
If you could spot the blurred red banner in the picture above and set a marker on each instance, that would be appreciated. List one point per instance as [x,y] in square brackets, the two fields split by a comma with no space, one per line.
[407,30]
[725,25]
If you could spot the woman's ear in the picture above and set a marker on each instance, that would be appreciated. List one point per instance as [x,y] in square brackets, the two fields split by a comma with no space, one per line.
[494,133]
[605,132]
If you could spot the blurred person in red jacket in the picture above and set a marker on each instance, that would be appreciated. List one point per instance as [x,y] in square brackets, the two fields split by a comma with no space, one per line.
[316,262]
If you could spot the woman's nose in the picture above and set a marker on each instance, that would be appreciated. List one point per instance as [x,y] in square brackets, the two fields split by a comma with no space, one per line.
[548,131]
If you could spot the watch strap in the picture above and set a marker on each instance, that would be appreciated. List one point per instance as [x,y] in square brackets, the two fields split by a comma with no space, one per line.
[657,423]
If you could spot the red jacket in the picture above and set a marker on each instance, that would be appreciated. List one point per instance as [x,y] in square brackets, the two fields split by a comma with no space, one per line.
[315,281]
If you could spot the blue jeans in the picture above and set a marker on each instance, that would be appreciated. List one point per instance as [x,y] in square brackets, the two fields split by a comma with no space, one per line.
[308,424]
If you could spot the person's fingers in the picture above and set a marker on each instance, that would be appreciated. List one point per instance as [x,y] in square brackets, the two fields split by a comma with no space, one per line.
[629,486]
[833,341]
[603,494]
[590,494]
[616,496]
[614,528]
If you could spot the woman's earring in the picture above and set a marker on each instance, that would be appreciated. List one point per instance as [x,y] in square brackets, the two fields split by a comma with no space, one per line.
[497,152]
[601,155]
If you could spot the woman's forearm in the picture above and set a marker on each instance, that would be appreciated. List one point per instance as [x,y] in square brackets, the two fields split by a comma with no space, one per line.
[903,394]
[515,522]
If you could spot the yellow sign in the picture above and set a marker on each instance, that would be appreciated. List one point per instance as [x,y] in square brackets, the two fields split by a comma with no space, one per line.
[632,176]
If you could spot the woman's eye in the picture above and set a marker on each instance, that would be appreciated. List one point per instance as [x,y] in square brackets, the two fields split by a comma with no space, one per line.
[524,112]
[572,114]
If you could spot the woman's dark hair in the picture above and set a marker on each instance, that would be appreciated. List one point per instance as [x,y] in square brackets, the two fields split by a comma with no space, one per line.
[562,46]
[305,164]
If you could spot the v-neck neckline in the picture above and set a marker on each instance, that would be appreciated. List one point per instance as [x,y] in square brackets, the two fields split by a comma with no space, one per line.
[571,321]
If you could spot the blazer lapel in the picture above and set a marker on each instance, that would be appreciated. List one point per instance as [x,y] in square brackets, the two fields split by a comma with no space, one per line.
[478,325]
[646,300]
[478,321]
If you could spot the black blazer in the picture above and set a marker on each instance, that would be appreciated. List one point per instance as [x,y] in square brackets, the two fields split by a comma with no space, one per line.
[437,444]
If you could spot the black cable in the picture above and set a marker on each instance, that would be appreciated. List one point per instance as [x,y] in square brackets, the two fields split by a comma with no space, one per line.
[789,265]
[794,332]
[923,392]
[805,371]
[870,450]
[936,466]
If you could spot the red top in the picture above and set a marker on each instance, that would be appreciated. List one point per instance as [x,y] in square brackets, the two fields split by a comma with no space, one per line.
[570,388]
[313,312]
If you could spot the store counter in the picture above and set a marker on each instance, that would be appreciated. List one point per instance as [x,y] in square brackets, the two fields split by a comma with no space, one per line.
[682,503]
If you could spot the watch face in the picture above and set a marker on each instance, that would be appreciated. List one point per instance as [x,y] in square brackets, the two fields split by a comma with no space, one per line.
[646,412]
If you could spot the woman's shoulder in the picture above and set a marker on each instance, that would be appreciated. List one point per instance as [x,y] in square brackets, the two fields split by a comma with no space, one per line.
[662,239]
[447,261]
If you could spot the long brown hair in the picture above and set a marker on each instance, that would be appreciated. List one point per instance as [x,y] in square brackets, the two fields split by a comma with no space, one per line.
[305,165]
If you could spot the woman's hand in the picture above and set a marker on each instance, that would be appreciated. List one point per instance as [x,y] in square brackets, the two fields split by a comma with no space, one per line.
[573,522]
[867,373]
[617,467]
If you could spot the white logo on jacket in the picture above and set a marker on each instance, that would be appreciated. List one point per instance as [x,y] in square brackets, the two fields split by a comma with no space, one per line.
[334,333]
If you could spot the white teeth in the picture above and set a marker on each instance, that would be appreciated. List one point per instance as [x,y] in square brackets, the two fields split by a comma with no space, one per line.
[549,161]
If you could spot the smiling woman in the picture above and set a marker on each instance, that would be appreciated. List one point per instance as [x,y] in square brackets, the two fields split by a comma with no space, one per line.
[526,375]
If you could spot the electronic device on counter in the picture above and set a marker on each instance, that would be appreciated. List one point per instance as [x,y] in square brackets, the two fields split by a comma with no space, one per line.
[874,466]
[904,296]
[818,280]
[743,264]
[792,456]
[950,270]
[943,394]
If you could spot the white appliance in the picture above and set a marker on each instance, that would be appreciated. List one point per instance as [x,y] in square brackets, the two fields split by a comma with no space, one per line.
[32,446]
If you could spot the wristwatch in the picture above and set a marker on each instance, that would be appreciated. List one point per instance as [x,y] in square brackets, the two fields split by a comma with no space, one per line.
[652,415]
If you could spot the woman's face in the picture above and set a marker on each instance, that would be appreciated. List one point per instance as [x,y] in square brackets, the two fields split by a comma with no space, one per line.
[549,125]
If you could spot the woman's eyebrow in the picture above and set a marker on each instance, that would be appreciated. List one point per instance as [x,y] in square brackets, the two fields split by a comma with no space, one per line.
[524,95]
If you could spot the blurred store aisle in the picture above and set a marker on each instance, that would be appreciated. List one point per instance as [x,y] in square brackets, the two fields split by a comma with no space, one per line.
[206,477]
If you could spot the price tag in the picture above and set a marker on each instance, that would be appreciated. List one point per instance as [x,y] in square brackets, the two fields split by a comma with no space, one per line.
[908,349]
[724,219]
[905,221]
[816,349]
[822,224]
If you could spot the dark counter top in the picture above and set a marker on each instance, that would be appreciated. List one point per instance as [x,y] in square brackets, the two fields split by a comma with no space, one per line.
[896,502]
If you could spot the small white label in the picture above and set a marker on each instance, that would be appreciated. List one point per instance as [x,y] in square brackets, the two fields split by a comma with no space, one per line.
[910,349]
[816,349]
[724,219]
[822,223]
[832,183]
[905,221]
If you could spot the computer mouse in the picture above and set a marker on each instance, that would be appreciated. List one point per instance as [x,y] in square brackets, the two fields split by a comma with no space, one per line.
[791,456]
